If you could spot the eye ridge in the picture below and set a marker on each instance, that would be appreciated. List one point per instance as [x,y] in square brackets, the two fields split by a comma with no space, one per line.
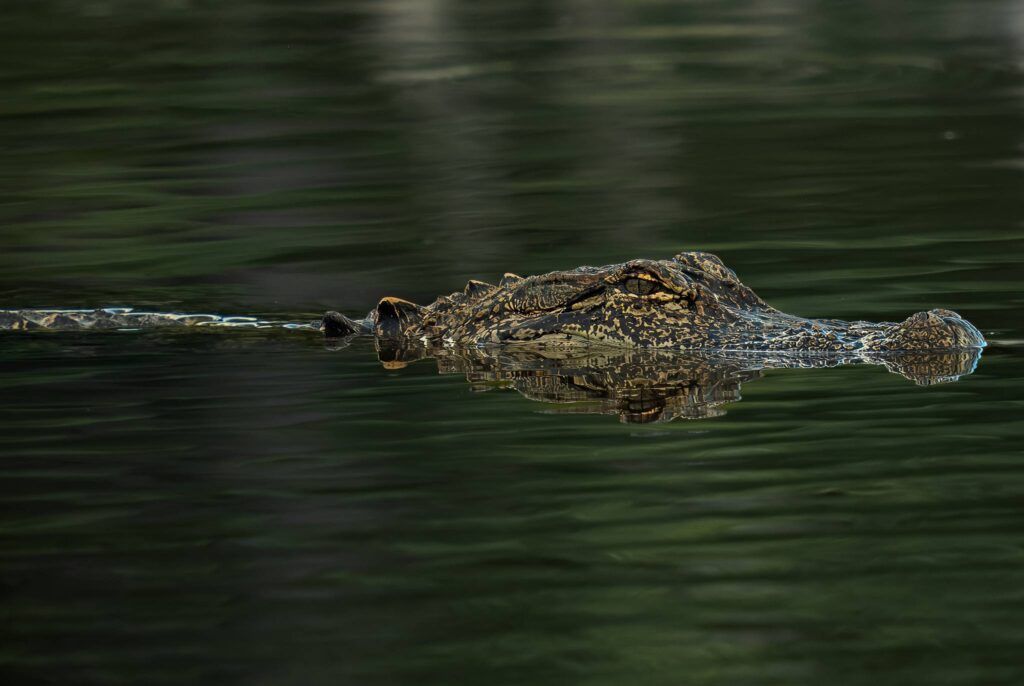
[584,295]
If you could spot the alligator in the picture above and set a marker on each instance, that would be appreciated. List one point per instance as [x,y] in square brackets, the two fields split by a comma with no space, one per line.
[690,302]
[647,340]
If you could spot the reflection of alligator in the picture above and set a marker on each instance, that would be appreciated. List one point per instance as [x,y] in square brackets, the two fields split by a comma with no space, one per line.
[691,302]
[643,386]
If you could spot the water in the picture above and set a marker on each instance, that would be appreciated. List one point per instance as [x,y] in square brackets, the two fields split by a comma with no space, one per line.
[250,507]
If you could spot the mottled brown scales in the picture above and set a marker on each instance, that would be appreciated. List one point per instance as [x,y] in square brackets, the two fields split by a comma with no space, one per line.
[691,302]
[599,339]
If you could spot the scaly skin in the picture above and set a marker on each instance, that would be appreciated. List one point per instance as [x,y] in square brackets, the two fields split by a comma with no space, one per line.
[691,302]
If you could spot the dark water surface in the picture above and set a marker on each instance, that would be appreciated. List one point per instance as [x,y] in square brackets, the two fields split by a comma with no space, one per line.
[249,508]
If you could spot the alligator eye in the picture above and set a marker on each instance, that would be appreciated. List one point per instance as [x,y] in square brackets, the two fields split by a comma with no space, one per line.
[638,286]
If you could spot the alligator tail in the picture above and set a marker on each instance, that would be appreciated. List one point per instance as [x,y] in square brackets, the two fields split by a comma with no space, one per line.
[124,318]
[337,325]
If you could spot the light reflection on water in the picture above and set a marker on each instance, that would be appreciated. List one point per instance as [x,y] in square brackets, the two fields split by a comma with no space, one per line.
[248,508]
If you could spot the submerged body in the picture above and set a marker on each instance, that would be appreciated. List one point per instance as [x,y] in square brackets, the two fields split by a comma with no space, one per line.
[691,302]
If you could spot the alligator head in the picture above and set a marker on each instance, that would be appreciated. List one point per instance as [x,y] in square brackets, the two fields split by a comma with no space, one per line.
[691,302]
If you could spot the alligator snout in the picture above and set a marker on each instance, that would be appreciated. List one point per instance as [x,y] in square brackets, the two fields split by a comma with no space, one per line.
[934,330]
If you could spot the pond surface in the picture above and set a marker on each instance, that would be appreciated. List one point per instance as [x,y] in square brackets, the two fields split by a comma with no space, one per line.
[253,508]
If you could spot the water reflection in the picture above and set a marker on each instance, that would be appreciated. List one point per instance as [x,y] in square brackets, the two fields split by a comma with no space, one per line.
[645,386]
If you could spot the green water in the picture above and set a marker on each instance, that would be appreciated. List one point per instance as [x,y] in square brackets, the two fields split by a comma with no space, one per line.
[244,508]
